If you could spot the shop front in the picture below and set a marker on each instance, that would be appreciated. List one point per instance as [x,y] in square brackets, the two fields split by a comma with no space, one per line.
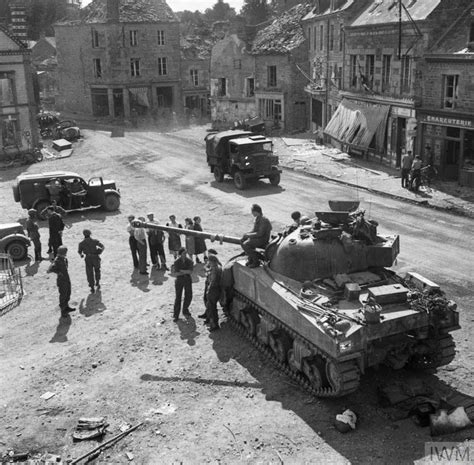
[449,142]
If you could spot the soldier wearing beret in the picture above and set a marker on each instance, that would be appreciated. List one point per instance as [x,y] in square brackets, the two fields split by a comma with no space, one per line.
[91,249]
[32,230]
[59,266]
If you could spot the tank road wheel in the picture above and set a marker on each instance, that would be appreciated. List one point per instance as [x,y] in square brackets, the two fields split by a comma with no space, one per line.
[311,369]
[17,250]
[274,179]
[112,202]
[280,344]
[440,351]
[218,174]
[239,180]
[251,320]
[342,377]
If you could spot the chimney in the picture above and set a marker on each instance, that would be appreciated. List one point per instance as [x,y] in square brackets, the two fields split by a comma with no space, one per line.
[112,13]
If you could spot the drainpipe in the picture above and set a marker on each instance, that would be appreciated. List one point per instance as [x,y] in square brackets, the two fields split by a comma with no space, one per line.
[328,85]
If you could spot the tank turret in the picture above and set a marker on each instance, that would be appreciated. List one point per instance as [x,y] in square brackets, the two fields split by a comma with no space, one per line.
[325,304]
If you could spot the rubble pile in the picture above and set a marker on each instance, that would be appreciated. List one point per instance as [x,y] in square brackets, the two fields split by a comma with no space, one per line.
[284,34]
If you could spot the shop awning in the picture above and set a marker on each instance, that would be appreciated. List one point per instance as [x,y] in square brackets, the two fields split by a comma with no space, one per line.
[141,95]
[357,123]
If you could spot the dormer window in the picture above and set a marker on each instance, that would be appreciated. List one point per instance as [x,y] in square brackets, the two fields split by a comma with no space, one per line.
[471,32]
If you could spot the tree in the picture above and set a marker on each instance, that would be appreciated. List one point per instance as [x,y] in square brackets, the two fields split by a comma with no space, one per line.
[221,11]
[256,11]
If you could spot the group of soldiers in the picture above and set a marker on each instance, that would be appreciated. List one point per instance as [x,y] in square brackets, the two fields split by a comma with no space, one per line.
[90,249]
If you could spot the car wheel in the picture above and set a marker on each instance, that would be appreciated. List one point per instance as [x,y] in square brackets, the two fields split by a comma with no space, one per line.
[17,250]
[274,179]
[239,180]
[112,202]
[218,174]
[40,206]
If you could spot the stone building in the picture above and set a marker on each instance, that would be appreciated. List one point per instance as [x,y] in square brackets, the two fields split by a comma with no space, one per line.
[195,77]
[382,78]
[446,115]
[324,30]
[121,60]
[280,52]
[17,99]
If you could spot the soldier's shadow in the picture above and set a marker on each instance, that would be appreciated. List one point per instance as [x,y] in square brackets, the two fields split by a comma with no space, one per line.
[157,277]
[140,281]
[62,329]
[93,304]
[31,267]
[188,330]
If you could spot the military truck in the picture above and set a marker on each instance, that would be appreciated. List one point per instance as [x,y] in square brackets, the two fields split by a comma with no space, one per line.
[243,155]
[72,192]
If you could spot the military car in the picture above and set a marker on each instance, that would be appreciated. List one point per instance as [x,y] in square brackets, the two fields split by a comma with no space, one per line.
[243,155]
[72,192]
[14,241]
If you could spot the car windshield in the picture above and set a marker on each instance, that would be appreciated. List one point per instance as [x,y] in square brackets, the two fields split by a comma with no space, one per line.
[255,148]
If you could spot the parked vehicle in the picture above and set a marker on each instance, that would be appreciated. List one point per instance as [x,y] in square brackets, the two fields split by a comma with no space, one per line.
[15,156]
[51,127]
[72,192]
[243,155]
[14,241]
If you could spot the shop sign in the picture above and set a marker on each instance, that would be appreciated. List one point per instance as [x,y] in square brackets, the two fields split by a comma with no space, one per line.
[448,121]
[399,111]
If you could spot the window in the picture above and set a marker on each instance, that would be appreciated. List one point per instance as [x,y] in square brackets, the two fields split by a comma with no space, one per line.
[405,74]
[10,132]
[271,76]
[237,64]
[331,37]
[162,66]
[341,37]
[250,87]
[222,87]
[135,67]
[450,94]
[321,37]
[161,37]
[6,90]
[309,38]
[353,70]
[97,68]
[386,64]
[270,109]
[194,77]
[369,70]
[133,38]
[95,39]
[314,38]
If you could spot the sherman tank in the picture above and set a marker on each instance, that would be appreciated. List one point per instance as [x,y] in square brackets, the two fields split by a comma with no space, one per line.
[326,307]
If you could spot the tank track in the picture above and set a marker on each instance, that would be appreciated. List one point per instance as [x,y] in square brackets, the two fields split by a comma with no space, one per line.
[349,370]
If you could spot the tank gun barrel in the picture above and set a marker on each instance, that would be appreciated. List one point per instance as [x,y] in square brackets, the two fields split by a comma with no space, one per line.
[187,232]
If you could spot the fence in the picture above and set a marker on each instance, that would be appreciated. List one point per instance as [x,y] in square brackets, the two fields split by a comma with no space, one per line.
[11,285]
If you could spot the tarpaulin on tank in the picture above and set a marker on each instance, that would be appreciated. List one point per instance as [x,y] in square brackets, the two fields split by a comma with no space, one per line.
[357,123]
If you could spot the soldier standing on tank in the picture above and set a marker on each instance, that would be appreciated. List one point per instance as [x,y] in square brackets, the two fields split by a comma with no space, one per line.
[91,249]
[32,230]
[56,228]
[258,237]
[59,266]
[132,242]
[183,268]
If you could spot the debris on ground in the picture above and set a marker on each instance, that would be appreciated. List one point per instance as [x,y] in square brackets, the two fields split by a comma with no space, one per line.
[89,428]
[446,422]
[165,409]
[346,421]
[47,395]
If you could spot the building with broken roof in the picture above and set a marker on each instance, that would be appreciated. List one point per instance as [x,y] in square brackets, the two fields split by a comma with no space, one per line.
[260,74]
[18,108]
[121,59]
[446,116]
[382,81]
[324,29]
[280,52]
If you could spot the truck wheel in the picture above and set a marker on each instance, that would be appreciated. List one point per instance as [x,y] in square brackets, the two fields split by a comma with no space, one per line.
[17,250]
[239,180]
[274,179]
[218,174]
[112,202]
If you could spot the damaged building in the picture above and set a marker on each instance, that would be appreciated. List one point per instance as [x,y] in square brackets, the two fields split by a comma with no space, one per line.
[121,60]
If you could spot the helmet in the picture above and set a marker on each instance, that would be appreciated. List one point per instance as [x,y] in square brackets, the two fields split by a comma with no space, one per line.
[62,250]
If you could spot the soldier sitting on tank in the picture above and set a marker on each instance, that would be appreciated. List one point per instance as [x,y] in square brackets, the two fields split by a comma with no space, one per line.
[295,216]
[257,238]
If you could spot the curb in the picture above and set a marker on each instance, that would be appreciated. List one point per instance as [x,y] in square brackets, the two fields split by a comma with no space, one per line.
[424,203]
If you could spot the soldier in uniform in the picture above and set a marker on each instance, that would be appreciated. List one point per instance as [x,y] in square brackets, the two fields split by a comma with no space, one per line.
[59,266]
[212,290]
[32,230]
[183,268]
[132,242]
[91,249]
[258,237]
[56,227]
[140,236]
